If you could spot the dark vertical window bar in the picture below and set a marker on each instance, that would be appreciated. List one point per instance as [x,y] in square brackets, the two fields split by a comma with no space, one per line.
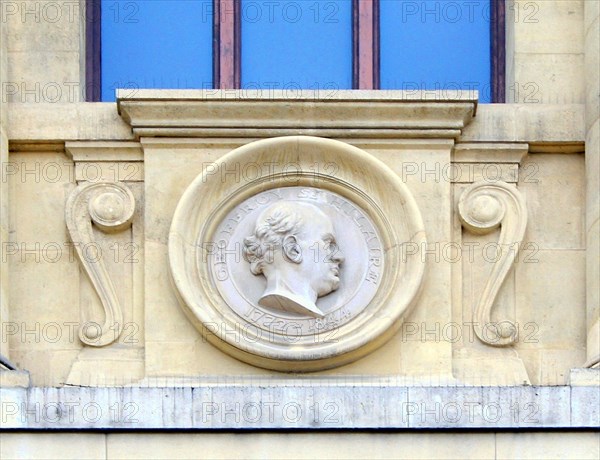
[226,44]
[93,50]
[498,50]
[216,42]
[376,32]
[365,44]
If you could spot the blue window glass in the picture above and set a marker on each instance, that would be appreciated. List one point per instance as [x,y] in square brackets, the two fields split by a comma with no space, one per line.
[156,44]
[436,44]
[297,44]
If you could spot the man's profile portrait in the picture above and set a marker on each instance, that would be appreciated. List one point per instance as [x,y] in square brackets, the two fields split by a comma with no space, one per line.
[294,247]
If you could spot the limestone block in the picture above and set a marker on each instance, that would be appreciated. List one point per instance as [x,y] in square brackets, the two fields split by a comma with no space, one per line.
[44,77]
[387,360]
[47,367]
[555,365]
[592,63]
[475,172]
[81,446]
[530,122]
[547,445]
[592,177]
[67,121]
[4,293]
[550,366]
[584,378]
[548,79]
[586,400]
[4,236]
[44,25]
[14,379]
[292,402]
[423,169]
[549,26]
[593,291]
[164,319]
[476,152]
[423,173]
[427,360]
[342,445]
[530,358]
[497,367]
[173,345]
[591,12]
[3,46]
[118,365]
[3,72]
[182,359]
[486,407]
[91,171]
[554,186]
[550,295]
[40,184]
[166,180]
[44,299]
[105,151]
[11,398]
[4,183]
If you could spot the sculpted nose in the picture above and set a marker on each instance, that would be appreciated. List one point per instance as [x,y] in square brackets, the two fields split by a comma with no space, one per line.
[338,257]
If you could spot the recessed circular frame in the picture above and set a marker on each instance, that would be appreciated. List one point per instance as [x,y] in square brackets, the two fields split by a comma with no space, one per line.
[381,274]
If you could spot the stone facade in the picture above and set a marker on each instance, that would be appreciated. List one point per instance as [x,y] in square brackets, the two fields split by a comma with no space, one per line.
[63,279]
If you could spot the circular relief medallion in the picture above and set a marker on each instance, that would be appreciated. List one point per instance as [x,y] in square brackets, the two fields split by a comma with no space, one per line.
[296,261]
[300,268]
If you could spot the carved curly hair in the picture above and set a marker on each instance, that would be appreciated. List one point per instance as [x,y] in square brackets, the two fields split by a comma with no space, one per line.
[269,234]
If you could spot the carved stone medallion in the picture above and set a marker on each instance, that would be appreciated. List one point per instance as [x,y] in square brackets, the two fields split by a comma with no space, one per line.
[297,261]
[301,268]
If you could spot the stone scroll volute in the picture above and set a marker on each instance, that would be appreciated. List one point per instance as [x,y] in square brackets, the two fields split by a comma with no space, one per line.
[110,207]
[483,207]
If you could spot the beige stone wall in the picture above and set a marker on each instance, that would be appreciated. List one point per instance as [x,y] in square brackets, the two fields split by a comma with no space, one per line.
[550,275]
[552,293]
[45,51]
[44,274]
[545,293]
[42,52]
[359,445]
[3,186]
[592,102]
[545,52]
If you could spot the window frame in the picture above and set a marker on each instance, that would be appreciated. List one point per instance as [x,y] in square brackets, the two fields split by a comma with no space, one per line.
[227,47]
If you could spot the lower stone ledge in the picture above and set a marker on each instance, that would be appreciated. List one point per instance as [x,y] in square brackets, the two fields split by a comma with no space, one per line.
[307,406]
[14,378]
[585,377]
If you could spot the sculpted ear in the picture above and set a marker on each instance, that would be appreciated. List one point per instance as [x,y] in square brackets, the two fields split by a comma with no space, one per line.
[291,249]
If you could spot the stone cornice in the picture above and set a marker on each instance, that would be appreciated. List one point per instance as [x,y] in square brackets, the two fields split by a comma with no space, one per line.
[104,151]
[353,404]
[547,127]
[255,113]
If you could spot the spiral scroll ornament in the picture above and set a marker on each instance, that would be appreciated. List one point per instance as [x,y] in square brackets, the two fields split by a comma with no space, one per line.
[110,207]
[483,207]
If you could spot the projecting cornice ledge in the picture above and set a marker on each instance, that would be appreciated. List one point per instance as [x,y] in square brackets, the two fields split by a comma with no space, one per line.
[269,113]
[349,405]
